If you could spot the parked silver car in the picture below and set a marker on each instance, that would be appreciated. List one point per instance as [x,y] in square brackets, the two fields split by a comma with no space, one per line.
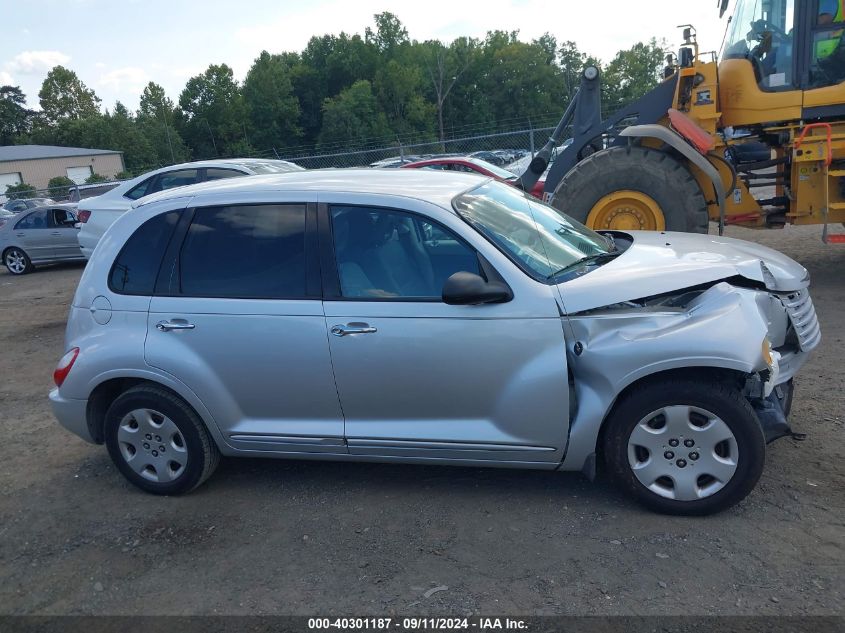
[412,316]
[43,235]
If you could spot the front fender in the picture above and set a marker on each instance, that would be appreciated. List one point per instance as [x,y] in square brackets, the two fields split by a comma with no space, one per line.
[721,328]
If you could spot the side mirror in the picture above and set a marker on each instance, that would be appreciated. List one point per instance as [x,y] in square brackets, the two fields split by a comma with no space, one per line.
[465,288]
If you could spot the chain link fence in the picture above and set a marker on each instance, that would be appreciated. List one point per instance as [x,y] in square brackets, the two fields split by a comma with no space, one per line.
[502,148]
[511,149]
[70,193]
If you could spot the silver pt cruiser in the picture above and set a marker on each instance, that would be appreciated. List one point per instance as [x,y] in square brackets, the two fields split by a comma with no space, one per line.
[431,318]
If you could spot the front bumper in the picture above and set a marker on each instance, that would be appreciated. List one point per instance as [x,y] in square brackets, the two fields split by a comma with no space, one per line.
[71,414]
[773,410]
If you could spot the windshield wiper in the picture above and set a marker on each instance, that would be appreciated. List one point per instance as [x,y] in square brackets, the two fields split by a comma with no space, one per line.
[588,259]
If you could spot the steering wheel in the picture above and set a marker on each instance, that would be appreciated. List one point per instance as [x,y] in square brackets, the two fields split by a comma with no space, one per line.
[759,29]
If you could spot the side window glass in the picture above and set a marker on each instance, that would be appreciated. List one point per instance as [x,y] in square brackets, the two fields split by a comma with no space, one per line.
[178,178]
[248,252]
[35,220]
[216,173]
[828,47]
[390,254]
[135,269]
[140,190]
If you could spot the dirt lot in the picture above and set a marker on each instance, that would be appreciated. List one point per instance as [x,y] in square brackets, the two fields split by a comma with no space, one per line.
[304,537]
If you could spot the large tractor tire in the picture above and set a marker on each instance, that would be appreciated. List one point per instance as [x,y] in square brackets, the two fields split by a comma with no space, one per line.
[632,189]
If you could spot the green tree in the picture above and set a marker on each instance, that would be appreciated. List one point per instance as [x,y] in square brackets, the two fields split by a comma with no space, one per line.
[21,190]
[93,179]
[521,82]
[328,65]
[155,120]
[59,187]
[213,116]
[399,89]
[390,35]
[64,96]
[353,117]
[15,118]
[445,65]
[272,106]
[632,73]
[127,136]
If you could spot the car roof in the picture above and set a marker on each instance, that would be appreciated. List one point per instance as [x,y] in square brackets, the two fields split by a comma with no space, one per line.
[437,187]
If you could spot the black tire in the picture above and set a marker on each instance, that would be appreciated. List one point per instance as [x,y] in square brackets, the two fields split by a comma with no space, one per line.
[723,400]
[14,251]
[202,455]
[657,174]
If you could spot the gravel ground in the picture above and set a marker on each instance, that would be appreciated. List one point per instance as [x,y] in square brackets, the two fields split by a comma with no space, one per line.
[284,537]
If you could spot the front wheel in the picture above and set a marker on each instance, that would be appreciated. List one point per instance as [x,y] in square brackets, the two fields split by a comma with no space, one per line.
[685,447]
[17,261]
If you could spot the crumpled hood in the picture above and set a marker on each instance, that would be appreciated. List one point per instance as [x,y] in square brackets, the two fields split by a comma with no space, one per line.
[661,262]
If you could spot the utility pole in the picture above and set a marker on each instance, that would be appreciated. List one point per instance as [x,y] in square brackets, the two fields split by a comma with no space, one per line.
[167,131]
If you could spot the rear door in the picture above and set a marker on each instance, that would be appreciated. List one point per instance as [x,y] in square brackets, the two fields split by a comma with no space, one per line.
[238,317]
[33,233]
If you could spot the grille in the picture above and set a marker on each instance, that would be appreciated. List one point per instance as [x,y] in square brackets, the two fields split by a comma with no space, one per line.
[802,314]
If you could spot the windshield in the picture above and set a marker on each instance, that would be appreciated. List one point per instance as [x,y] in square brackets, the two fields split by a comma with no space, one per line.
[497,171]
[761,31]
[534,235]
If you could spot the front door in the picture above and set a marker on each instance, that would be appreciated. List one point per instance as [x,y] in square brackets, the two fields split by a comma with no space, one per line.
[63,234]
[421,379]
[242,324]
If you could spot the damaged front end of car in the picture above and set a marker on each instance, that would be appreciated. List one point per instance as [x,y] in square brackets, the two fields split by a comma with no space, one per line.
[744,329]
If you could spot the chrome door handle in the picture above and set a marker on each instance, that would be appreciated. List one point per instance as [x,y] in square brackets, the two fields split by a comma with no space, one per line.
[353,328]
[166,326]
[56,233]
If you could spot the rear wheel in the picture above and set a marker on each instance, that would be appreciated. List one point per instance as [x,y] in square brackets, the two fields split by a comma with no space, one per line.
[17,261]
[684,447]
[158,442]
[631,189]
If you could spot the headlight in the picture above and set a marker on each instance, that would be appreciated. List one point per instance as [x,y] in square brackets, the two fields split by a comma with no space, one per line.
[772,360]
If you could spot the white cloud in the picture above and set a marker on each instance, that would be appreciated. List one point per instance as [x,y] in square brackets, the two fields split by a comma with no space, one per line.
[6,79]
[129,79]
[36,62]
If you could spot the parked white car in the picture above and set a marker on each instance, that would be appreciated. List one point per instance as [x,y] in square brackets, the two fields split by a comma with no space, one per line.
[97,214]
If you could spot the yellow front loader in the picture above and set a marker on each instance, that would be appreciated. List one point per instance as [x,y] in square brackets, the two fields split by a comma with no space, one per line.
[754,136]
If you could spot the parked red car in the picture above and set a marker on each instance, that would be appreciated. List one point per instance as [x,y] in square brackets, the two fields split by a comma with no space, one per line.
[475,165]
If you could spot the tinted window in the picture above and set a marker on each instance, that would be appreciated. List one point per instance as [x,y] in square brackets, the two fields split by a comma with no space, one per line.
[136,267]
[383,254]
[35,220]
[140,190]
[178,178]
[216,173]
[253,252]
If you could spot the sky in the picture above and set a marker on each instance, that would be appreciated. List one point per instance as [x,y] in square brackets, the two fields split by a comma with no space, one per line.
[117,46]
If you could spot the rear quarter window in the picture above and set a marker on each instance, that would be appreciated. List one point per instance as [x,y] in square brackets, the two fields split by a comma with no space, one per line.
[136,267]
